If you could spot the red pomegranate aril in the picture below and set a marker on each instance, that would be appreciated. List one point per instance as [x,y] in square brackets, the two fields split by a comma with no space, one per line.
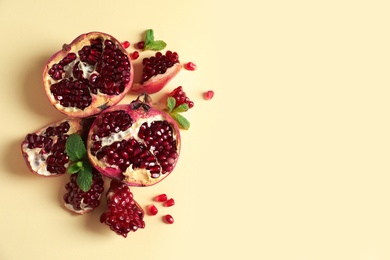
[152,210]
[161,198]
[134,55]
[190,66]
[208,95]
[168,219]
[181,97]
[126,44]
[140,45]
[169,203]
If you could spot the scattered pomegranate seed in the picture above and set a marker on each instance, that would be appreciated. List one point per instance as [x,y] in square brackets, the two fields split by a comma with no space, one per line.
[140,45]
[208,95]
[169,203]
[126,44]
[190,66]
[152,210]
[134,55]
[168,219]
[161,198]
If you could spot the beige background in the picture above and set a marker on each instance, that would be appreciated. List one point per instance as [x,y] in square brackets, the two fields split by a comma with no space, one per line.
[290,160]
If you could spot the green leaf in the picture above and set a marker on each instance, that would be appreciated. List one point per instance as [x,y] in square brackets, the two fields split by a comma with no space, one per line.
[181,108]
[155,46]
[181,120]
[75,167]
[84,177]
[75,148]
[171,103]
[149,37]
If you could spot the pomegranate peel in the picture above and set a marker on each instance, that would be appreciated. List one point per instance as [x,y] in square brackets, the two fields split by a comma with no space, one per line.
[88,75]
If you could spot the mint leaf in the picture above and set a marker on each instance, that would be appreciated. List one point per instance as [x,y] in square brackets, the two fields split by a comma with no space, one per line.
[149,37]
[171,103]
[84,177]
[75,148]
[181,120]
[75,167]
[181,108]
[155,46]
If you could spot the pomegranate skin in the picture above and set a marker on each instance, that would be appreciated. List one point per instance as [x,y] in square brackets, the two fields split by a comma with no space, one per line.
[98,101]
[134,174]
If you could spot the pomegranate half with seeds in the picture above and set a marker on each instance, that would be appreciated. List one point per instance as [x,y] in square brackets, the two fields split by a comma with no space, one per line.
[157,71]
[44,150]
[134,143]
[88,75]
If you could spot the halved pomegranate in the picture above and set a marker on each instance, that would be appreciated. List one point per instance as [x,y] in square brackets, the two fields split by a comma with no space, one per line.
[134,143]
[88,75]
[44,150]
[157,71]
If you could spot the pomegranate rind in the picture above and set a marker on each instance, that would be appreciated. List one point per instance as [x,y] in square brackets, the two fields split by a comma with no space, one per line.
[35,158]
[157,82]
[139,176]
[100,101]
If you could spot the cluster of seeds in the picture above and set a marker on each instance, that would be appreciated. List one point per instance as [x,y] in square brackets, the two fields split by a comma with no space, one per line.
[152,209]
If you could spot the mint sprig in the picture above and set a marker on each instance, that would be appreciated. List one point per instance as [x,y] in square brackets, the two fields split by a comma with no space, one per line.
[175,113]
[77,153]
[151,43]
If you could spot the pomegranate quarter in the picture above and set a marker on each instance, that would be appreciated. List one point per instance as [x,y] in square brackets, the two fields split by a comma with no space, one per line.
[88,75]
[134,143]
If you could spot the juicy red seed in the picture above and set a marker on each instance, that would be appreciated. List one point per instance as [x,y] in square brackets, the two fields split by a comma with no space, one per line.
[190,66]
[140,45]
[158,64]
[134,55]
[126,44]
[161,198]
[208,95]
[108,122]
[169,203]
[81,200]
[168,219]
[123,214]
[152,210]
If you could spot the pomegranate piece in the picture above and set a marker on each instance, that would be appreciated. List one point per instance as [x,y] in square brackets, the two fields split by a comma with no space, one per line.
[157,71]
[44,150]
[181,97]
[190,66]
[134,143]
[80,202]
[161,198]
[88,75]
[168,219]
[169,203]
[123,213]
[152,210]
[208,95]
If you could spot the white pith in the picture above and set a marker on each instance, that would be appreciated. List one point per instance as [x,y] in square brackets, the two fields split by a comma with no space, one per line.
[83,206]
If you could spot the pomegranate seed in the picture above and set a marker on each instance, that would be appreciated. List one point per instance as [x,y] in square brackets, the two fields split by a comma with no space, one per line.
[126,44]
[140,45]
[190,66]
[152,210]
[168,219]
[208,95]
[169,203]
[134,55]
[181,97]
[161,198]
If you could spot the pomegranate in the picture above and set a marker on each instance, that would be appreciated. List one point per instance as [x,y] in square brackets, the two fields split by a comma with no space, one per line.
[181,97]
[44,150]
[157,71]
[134,143]
[80,202]
[123,212]
[88,75]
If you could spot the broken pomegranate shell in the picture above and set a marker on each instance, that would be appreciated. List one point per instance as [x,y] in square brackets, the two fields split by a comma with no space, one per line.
[88,75]
[157,71]
[44,150]
[134,143]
